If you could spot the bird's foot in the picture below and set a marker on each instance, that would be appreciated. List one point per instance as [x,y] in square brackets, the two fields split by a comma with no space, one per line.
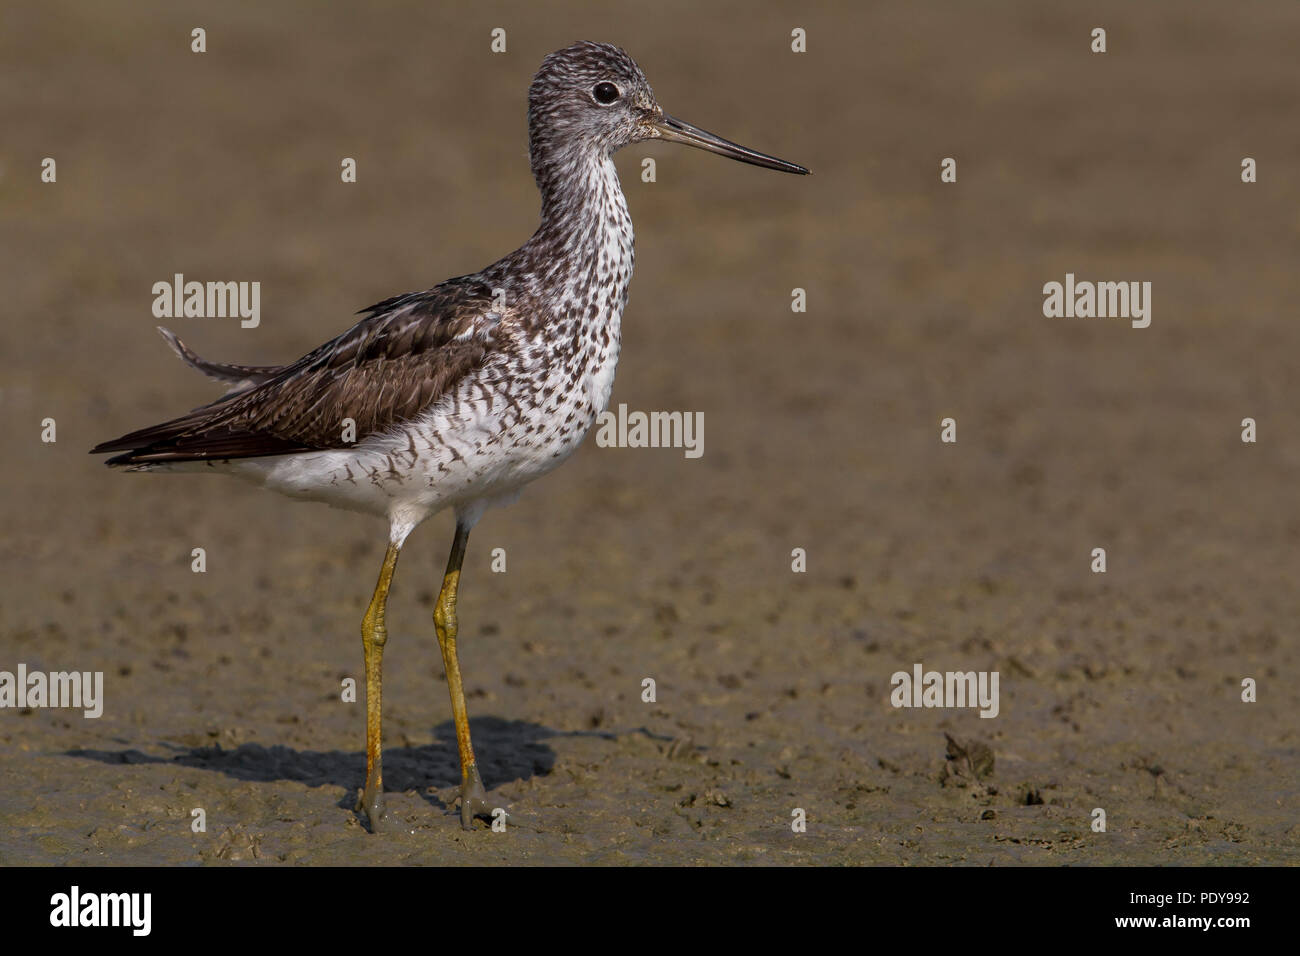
[473,801]
[371,804]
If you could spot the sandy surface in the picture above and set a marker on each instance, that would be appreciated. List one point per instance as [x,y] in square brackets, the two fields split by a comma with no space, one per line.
[1119,691]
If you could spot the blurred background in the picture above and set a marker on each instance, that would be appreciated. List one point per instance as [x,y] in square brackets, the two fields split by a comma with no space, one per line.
[924,301]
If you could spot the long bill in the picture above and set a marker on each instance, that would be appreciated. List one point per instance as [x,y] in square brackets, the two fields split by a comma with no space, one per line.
[673,130]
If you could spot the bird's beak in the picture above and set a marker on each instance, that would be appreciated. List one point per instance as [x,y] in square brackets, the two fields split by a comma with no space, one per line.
[674,130]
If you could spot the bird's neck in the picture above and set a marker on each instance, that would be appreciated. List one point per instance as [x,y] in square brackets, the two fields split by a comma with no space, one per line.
[586,230]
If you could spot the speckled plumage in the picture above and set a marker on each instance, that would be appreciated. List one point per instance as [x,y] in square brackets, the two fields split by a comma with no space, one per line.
[459,395]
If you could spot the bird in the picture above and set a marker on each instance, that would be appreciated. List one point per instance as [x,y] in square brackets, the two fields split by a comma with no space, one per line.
[458,396]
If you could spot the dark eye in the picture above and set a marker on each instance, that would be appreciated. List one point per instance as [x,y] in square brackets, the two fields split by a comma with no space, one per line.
[605,93]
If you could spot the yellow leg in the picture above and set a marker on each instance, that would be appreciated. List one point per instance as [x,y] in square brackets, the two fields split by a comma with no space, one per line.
[473,801]
[374,635]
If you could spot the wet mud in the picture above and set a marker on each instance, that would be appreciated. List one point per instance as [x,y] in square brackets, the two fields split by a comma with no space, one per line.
[1120,691]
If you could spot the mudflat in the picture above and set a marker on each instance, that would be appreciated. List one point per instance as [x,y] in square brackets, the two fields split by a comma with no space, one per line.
[1120,691]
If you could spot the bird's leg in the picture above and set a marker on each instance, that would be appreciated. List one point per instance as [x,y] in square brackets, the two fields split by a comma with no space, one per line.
[473,799]
[374,634]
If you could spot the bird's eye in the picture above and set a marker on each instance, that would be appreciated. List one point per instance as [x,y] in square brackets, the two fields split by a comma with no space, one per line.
[605,93]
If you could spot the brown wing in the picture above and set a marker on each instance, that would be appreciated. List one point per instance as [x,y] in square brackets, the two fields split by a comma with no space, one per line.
[404,355]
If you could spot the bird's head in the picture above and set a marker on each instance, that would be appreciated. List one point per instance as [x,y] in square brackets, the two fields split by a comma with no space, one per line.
[594,96]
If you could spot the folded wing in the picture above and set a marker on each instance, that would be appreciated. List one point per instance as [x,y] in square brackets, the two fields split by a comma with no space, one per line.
[402,357]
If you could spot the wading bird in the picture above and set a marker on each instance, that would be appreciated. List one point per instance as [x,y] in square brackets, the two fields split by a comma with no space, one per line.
[458,396]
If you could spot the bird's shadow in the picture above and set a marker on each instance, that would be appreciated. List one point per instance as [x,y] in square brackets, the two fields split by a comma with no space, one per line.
[507,750]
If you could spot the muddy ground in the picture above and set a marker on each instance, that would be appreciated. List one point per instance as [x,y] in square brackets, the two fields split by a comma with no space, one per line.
[1119,691]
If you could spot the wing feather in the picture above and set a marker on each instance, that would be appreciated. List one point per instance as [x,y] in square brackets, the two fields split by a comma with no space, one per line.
[405,354]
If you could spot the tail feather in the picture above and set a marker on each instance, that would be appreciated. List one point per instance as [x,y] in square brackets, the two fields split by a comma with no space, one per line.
[235,377]
[193,437]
